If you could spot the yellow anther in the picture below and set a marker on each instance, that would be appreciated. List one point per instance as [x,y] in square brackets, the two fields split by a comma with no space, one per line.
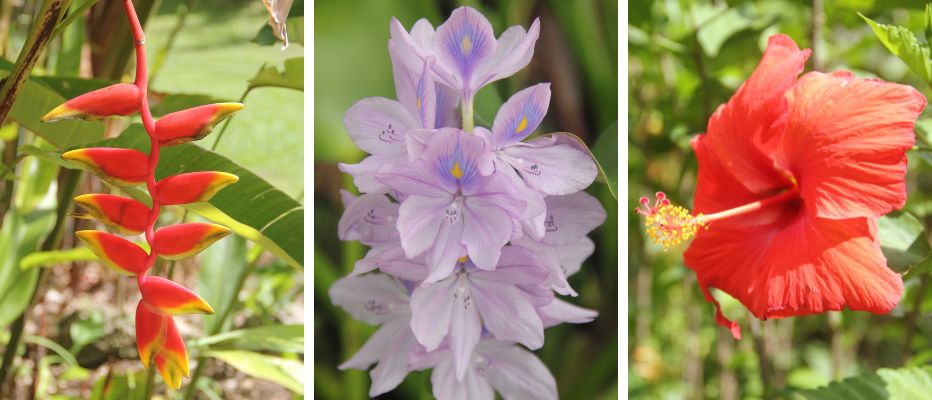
[522,126]
[456,171]
[671,225]
[466,45]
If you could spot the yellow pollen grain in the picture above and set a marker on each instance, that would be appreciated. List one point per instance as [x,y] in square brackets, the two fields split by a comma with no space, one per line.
[672,225]
[456,171]
[522,126]
[466,45]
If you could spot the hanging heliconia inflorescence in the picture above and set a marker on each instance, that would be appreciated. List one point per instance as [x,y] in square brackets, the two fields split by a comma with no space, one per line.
[156,333]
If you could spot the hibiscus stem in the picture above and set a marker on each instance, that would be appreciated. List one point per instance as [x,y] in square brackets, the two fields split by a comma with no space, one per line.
[757,205]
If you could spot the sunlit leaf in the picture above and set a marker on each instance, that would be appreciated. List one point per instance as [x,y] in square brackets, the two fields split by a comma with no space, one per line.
[903,44]
[903,383]
[903,240]
[285,372]
[275,338]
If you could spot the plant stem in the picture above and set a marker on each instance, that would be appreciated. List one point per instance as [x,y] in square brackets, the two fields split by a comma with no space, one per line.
[763,358]
[913,317]
[183,11]
[226,124]
[467,113]
[150,380]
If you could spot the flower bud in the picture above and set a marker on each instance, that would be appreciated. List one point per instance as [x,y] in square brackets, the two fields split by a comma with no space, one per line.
[192,187]
[171,298]
[121,167]
[126,216]
[121,255]
[179,241]
[192,124]
[118,99]
[157,338]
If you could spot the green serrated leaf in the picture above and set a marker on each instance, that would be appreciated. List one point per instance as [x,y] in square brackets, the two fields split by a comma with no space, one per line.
[903,240]
[902,43]
[899,384]
[291,78]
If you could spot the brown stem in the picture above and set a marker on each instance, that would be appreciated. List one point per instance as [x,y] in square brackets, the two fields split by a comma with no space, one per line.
[817,21]
[913,317]
[764,361]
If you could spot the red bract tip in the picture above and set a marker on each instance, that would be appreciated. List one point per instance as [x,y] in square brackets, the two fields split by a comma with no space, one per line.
[119,99]
[193,123]
[126,216]
[171,298]
[121,167]
[192,187]
[179,241]
[119,254]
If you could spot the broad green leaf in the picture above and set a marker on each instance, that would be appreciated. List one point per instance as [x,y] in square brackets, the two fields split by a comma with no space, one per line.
[226,259]
[285,372]
[274,338]
[56,257]
[19,236]
[252,208]
[86,331]
[902,383]
[716,29]
[903,44]
[67,357]
[115,386]
[291,78]
[903,240]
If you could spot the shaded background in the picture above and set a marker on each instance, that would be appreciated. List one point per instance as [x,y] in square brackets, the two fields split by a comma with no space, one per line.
[685,59]
[577,52]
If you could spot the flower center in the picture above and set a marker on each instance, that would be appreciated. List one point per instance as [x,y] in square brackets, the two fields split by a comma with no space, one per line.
[669,225]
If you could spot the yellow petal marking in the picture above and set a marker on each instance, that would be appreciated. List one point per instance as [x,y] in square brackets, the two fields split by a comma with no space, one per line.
[456,171]
[466,45]
[522,125]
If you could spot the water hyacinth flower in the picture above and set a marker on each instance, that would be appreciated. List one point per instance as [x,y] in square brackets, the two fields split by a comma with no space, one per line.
[792,177]
[458,218]
[158,340]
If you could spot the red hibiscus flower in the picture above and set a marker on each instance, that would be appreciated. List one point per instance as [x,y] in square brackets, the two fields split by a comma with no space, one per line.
[792,176]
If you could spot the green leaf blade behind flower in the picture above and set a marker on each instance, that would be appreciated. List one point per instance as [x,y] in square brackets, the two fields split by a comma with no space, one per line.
[902,43]
[901,383]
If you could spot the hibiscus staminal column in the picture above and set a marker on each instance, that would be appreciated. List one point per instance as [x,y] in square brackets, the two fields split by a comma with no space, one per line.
[158,339]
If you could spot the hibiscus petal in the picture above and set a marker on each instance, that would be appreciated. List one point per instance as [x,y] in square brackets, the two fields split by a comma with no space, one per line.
[544,166]
[516,373]
[463,43]
[521,114]
[372,298]
[377,125]
[846,143]
[508,314]
[370,219]
[419,221]
[571,217]
[832,264]
[740,134]
[465,328]
[431,312]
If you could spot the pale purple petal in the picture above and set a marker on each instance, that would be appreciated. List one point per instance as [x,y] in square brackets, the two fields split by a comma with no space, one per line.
[521,114]
[516,373]
[370,219]
[447,101]
[431,312]
[389,347]
[516,266]
[550,260]
[514,51]
[392,260]
[571,217]
[415,178]
[553,169]
[533,216]
[572,255]
[411,49]
[414,87]
[507,313]
[559,311]
[445,386]
[416,142]
[462,44]
[364,173]
[441,259]
[465,327]
[377,125]
[457,158]
[486,230]
[419,220]
[373,298]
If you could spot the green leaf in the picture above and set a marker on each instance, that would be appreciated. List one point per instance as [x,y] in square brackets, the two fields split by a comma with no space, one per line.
[113,386]
[285,372]
[55,347]
[252,208]
[19,236]
[291,78]
[227,259]
[903,383]
[56,257]
[86,331]
[903,44]
[903,240]
[274,338]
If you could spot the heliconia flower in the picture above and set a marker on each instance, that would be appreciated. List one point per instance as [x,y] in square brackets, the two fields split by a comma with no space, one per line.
[378,299]
[467,53]
[121,167]
[456,203]
[192,187]
[118,99]
[193,123]
[171,298]
[124,215]
[158,340]
[495,365]
[178,241]
[542,162]
[121,255]
[565,246]
[502,302]
[792,176]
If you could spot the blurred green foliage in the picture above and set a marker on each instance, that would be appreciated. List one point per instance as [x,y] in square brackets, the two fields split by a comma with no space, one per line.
[577,52]
[685,59]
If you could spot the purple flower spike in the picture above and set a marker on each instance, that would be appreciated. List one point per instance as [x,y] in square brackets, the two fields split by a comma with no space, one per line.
[456,204]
